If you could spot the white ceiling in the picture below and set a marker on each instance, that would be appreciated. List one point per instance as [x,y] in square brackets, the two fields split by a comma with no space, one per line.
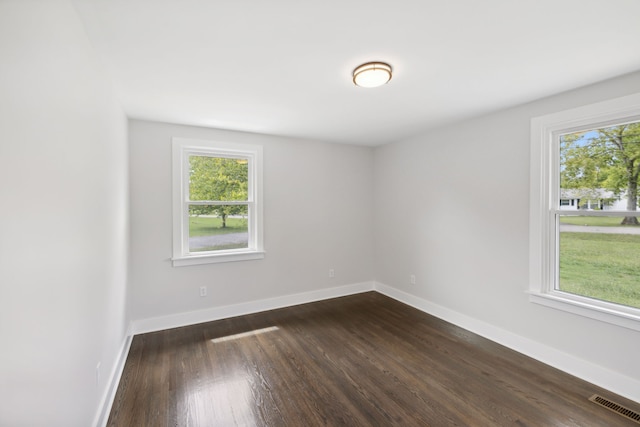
[284,67]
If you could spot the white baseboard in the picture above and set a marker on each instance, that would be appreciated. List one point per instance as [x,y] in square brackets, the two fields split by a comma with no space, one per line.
[216,313]
[595,374]
[587,371]
[114,379]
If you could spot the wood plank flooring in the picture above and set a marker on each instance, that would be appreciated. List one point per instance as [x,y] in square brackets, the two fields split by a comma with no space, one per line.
[362,360]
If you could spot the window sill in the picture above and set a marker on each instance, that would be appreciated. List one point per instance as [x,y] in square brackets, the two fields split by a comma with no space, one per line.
[216,258]
[586,307]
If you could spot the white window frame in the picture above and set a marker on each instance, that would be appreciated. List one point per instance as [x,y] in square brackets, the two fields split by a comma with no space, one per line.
[544,206]
[182,148]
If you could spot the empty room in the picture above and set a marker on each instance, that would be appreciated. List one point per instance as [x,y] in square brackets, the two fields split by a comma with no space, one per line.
[288,213]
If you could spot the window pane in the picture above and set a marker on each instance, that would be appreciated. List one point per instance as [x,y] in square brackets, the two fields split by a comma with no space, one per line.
[218,178]
[599,169]
[599,258]
[218,227]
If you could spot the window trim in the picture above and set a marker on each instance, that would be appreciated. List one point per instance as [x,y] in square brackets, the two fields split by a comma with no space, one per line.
[182,148]
[543,261]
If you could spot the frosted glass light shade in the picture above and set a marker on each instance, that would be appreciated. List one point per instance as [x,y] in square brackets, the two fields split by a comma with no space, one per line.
[372,74]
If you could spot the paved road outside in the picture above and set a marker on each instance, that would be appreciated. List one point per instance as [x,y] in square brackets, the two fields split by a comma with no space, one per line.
[200,242]
[595,229]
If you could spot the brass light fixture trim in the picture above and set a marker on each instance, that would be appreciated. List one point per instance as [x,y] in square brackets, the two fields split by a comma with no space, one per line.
[372,74]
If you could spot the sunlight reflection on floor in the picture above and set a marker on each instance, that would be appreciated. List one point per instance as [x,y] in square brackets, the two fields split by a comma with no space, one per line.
[244,334]
[227,403]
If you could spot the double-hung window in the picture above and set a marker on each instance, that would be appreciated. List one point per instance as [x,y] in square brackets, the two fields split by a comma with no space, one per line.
[217,202]
[586,259]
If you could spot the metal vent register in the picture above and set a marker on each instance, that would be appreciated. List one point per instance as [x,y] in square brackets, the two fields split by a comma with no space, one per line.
[619,409]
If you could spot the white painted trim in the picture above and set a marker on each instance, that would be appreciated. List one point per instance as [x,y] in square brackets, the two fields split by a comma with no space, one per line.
[102,415]
[142,326]
[181,149]
[543,207]
[595,374]
[627,317]
[587,371]
[216,258]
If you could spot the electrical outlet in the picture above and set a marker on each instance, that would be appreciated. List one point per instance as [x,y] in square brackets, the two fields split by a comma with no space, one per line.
[203,291]
[332,273]
[412,279]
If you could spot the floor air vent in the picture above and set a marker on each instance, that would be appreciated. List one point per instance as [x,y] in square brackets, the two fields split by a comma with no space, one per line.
[619,409]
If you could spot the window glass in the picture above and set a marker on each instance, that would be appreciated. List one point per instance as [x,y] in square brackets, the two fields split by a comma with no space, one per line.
[599,250]
[218,227]
[600,259]
[218,178]
[217,202]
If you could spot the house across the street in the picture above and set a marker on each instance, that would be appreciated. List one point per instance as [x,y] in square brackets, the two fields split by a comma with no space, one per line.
[572,199]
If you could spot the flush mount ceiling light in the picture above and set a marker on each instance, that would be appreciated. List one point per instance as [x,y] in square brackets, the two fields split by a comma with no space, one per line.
[372,74]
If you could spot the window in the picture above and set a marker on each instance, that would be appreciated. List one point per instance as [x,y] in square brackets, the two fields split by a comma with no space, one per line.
[586,260]
[217,202]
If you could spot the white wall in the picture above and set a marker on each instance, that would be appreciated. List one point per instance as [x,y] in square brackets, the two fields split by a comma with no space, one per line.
[64,225]
[317,216]
[63,219]
[451,207]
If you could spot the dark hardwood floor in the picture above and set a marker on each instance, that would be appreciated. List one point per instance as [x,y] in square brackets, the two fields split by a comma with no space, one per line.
[362,360]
